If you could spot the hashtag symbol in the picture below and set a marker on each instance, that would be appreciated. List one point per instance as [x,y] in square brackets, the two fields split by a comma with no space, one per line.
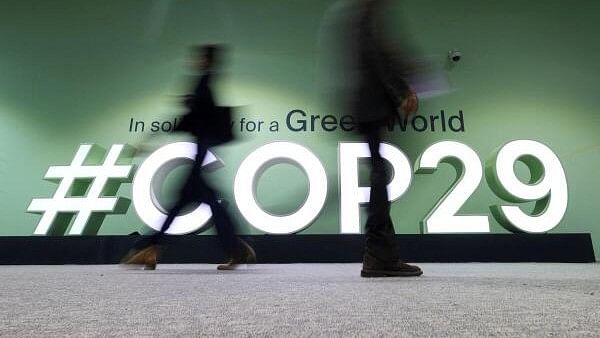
[99,180]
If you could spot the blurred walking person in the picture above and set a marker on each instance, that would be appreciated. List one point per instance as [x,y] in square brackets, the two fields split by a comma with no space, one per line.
[377,94]
[210,125]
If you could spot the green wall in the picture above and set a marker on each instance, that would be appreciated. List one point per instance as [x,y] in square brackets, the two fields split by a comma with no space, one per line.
[75,72]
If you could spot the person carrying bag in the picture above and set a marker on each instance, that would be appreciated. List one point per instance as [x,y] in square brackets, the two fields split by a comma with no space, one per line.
[210,125]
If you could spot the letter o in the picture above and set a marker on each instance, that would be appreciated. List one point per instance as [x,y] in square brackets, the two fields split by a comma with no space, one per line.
[245,187]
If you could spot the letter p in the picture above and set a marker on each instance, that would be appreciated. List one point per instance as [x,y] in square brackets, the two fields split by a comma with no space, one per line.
[352,195]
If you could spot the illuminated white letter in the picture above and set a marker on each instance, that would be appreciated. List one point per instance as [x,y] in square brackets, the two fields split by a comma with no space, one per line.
[144,197]
[352,195]
[245,187]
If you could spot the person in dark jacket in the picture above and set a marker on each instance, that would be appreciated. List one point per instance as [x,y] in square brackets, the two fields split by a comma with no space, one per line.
[204,120]
[378,94]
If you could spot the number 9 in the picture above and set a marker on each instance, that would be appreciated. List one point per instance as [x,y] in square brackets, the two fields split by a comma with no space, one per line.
[547,186]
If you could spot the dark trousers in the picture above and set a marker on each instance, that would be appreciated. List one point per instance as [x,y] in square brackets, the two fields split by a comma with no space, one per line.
[380,235]
[196,190]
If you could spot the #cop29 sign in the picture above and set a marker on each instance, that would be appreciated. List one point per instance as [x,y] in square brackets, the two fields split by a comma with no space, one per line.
[547,186]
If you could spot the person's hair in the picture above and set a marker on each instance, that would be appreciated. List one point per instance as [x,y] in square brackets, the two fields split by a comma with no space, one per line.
[211,52]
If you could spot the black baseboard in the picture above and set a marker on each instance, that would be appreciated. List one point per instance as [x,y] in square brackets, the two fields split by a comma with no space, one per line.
[567,248]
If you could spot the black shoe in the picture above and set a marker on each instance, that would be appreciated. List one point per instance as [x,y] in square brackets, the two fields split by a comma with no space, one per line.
[248,256]
[373,267]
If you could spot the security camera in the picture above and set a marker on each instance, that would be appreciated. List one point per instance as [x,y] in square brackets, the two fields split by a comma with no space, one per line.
[454,55]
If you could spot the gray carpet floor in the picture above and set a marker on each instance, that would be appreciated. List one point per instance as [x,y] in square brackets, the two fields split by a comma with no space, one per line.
[300,300]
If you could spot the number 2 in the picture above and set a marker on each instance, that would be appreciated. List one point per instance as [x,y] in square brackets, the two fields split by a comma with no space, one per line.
[442,218]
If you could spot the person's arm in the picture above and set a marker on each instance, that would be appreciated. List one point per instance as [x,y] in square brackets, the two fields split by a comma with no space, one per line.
[392,78]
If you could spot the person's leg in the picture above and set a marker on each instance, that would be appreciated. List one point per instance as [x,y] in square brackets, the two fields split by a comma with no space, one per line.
[381,240]
[206,194]
[158,237]
[145,250]
[186,197]
[381,257]
[237,250]
[226,230]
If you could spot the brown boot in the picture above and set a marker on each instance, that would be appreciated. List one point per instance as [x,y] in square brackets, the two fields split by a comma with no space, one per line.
[373,267]
[247,256]
[145,258]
